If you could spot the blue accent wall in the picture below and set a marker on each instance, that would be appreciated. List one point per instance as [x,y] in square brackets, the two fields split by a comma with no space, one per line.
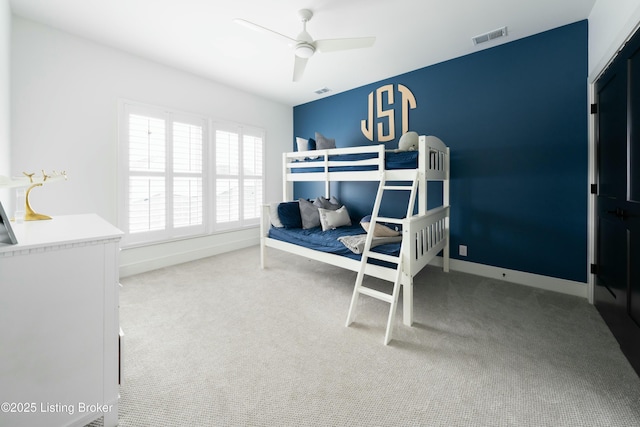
[516,119]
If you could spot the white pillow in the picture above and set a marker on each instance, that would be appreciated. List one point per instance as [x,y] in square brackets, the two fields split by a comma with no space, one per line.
[303,144]
[273,215]
[330,220]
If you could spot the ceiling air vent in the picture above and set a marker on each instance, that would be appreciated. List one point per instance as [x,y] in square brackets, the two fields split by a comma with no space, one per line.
[500,32]
[322,90]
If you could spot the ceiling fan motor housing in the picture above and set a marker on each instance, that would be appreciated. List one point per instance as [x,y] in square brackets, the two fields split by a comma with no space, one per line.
[304,49]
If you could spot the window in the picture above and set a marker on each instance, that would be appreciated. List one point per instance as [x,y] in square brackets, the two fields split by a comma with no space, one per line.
[167,167]
[238,179]
[164,176]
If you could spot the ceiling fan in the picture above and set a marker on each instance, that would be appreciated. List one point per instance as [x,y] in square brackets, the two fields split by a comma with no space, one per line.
[304,46]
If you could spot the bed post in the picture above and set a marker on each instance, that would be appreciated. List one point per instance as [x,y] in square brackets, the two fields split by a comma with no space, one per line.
[423,153]
[445,202]
[407,300]
[264,229]
[327,182]
[287,193]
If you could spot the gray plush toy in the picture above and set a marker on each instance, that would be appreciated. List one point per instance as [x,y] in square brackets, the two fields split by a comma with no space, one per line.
[408,142]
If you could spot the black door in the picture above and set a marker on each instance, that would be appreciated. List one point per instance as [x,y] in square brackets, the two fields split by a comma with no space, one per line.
[617,290]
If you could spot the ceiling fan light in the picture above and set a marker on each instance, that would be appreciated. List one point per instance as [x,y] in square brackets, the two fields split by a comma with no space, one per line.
[304,50]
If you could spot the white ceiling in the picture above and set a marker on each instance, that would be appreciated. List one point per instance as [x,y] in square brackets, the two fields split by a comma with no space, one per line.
[200,36]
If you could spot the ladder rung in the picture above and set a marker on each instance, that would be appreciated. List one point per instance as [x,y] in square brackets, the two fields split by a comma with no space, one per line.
[384,257]
[397,187]
[391,220]
[376,294]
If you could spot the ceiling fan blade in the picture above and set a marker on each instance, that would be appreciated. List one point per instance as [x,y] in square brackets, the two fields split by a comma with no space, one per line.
[333,45]
[298,67]
[261,29]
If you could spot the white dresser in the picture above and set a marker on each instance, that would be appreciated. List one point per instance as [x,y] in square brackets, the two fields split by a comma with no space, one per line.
[59,327]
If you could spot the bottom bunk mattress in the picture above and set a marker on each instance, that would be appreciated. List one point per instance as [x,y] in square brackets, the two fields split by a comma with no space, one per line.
[327,241]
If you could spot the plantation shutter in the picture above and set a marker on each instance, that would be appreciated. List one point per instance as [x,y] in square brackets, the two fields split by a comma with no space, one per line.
[180,179]
[252,162]
[187,168]
[163,184]
[227,177]
[147,156]
[239,178]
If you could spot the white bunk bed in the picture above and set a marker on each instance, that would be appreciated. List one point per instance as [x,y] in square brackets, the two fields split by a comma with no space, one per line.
[424,234]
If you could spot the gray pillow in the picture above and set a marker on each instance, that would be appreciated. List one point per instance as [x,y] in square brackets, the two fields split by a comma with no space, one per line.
[309,214]
[332,204]
[323,143]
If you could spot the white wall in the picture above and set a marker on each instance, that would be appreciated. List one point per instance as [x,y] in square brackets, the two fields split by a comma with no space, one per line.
[5,117]
[610,24]
[65,93]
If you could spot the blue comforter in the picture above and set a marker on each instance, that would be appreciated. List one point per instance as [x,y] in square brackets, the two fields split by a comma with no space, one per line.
[327,241]
[393,160]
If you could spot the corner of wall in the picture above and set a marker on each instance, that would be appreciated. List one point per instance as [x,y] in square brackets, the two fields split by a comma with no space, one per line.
[5,103]
[611,23]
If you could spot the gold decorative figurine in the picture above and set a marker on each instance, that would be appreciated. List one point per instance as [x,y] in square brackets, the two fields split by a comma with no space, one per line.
[29,214]
[30,180]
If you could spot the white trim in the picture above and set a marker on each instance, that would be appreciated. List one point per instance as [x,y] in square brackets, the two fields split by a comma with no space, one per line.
[591,198]
[547,283]
[563,286]
[175,257]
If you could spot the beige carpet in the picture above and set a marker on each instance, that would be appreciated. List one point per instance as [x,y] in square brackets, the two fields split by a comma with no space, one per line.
[220,342]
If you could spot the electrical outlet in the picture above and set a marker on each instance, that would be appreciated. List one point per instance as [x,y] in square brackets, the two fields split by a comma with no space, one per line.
[463,250]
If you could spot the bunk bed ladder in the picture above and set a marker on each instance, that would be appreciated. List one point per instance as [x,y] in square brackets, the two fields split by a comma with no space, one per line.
[367,253]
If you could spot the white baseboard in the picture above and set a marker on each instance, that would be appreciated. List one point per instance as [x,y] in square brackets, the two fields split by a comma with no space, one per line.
[154,261]
[564,286]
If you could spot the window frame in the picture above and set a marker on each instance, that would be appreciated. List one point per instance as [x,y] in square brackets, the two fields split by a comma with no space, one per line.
[242,131]
[170,231]
[209,225]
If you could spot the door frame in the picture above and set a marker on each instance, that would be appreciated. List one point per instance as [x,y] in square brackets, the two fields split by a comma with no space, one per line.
[625,34]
